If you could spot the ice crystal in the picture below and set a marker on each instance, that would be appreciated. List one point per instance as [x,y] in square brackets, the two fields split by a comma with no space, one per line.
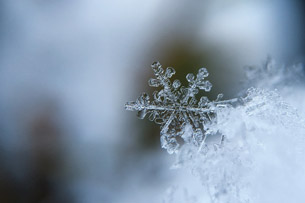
[238,149]
[176,107]
[264,140]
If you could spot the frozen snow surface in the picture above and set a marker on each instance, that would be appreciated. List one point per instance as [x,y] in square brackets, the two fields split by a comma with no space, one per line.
[249,149]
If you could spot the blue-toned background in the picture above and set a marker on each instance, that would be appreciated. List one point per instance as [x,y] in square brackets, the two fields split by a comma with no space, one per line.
[68,67]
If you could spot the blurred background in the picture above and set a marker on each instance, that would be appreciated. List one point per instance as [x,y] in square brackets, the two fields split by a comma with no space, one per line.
[68,67]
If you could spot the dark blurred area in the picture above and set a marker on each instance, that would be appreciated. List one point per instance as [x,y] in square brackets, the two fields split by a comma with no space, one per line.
[67,68]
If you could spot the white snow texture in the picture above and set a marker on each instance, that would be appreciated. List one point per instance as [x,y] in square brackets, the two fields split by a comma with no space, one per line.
[245,150]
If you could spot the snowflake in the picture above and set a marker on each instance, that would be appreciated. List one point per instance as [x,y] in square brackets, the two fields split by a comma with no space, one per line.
[176,108]
[258,132]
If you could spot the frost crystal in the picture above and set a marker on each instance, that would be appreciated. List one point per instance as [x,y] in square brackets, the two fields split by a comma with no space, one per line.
[176,107]
[262,154]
